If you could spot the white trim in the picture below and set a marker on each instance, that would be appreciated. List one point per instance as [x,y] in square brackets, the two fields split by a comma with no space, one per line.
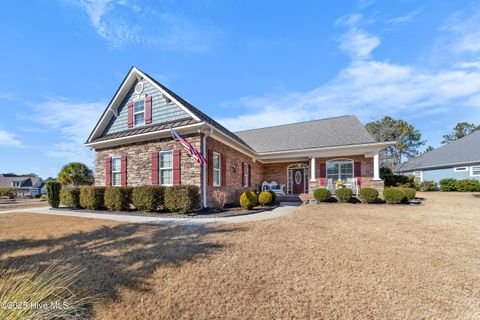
[135,113]
[376,167]
[339,171]
[204,171]
[312,169]
[460,169]
[421,175]
[305,168]
[215,169]
[160,168]
[471,171]
[353,146]
[140,137]
[112,180]
[246,170]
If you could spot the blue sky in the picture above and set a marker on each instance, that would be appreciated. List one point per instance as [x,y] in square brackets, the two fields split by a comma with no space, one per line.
[245,63]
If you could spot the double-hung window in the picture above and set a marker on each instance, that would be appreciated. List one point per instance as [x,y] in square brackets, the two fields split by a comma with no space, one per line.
[418,176]
[166,168]
[475,171]
[139,112]
[246,168]
[116,171]
[217,169]
[339,170]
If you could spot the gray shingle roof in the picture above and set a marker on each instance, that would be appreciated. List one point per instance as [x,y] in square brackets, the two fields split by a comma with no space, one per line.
[330,132]
[462,151]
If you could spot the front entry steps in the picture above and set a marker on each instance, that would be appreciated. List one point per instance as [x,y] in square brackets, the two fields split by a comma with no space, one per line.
[291,198]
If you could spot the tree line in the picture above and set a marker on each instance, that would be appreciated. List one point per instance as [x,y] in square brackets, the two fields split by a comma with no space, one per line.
[409,139]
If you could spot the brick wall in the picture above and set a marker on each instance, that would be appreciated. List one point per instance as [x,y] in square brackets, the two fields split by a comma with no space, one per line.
[278,172]
[139,161]
[366,164]
[234,161]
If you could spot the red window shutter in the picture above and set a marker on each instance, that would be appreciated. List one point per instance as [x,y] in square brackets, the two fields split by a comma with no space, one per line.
[249,175]
[357,169]
[176,167]
[148,110]
[210,167]
[155,168]
[108,172]
[323,174]
[243,175]
[224,170]
[123,170]
[130,114]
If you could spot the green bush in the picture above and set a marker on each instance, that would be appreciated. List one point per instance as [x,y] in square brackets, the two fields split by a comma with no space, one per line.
[92,197]
[409,193]
[428,186]
[117,198]
[468,185]
[7,193]
[322,194]
[394,195]
[368,195]
[70,197]
[448,184]
[274,196]
[248,200]
[265,198]
[147,198]
[182,199]
[343,194]
[53,193]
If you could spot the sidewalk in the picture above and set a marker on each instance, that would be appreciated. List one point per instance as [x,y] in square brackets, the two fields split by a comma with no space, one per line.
[284,209]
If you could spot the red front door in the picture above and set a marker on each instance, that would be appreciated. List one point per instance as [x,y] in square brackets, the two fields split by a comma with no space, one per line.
[298,181]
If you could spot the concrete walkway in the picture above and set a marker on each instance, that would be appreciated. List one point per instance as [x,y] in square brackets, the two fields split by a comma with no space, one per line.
[284,209]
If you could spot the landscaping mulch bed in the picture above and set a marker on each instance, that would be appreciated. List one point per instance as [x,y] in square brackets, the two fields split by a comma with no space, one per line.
[204,213]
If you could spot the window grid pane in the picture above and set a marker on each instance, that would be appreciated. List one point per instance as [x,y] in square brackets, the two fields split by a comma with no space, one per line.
[139,118]
[139,106]
[166,160]
[166,177]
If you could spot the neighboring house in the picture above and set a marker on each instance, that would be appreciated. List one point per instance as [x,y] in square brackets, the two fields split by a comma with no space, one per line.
[23,186]
[133,146]
[459,159]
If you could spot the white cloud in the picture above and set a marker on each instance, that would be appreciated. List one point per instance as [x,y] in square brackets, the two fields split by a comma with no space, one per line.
[356,42]
[9,139]
[465,28]
[73,121]
[404,19]
[123,23]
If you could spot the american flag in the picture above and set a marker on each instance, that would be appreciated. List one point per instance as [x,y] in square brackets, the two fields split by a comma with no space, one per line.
[189,148]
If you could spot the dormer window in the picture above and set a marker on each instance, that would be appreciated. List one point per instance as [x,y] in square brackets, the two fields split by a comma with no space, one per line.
[139,112]
[15,183]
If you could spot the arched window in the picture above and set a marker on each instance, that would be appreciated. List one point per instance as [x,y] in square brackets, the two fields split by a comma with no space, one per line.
[340,169]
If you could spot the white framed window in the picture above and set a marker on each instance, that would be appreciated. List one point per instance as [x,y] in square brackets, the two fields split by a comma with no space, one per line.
[246,168]
[340,170]
[217,169]
[475,171]
[418,176]
[15,183]
[116,171]
[460,169]
[139,112]
[165,168]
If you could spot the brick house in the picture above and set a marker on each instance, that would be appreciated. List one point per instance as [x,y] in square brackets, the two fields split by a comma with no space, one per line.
[133,146]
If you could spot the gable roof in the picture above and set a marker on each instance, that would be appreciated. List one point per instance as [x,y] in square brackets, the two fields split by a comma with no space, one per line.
[460,152]
[330,132]
[25,181]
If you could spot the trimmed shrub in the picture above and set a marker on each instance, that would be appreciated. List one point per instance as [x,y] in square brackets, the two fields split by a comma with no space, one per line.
[92,197]
[274,196]
[147,198]
[53,193]
[117,198]
[7,193]
[468,185]
[248,200]
[343,194]
[219,198]
[448,184]
[368,195]
[409,193]
[182,199]
[428,186]
[70,197]
[322,194]
[265,198]
[394,195]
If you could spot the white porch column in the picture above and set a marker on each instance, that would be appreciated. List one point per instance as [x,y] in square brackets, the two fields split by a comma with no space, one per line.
[376,167]
[312,169]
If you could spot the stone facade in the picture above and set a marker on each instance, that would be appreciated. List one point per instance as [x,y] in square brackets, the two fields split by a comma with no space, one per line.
[233,159]
[139,161]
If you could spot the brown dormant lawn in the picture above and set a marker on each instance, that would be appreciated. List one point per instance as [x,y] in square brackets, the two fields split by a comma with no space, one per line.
[327,261]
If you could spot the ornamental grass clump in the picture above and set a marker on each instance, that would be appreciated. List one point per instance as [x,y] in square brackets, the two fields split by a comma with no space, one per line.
[248,200]
[47,294]
[322,194]
[368,195]
[265,198]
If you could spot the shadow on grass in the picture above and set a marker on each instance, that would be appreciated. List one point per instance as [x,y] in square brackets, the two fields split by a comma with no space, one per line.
[111,258]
